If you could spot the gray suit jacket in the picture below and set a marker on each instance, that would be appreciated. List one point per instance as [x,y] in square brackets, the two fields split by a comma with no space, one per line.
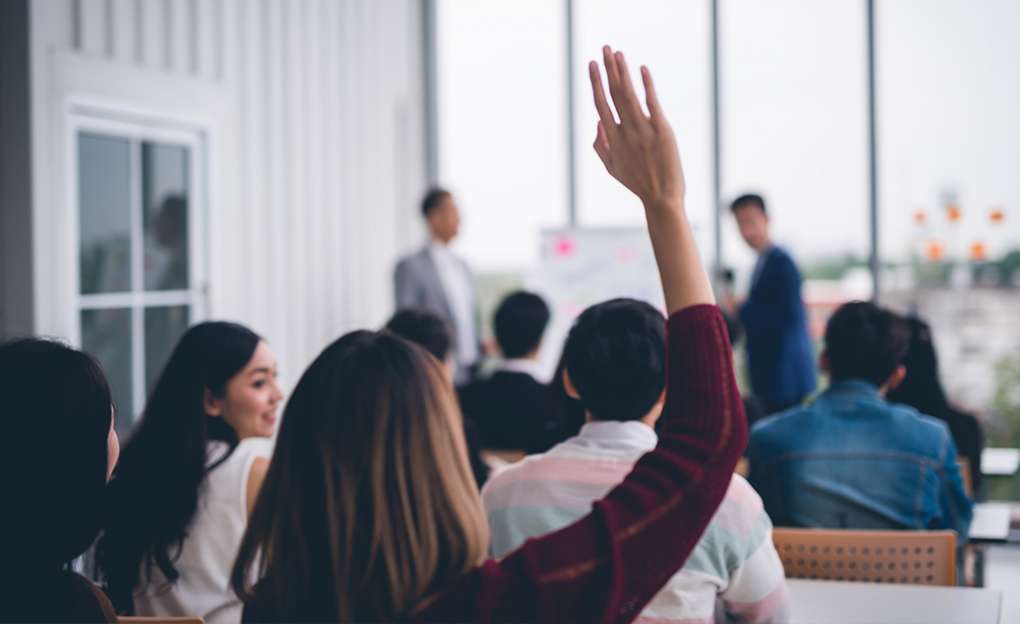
[416,285]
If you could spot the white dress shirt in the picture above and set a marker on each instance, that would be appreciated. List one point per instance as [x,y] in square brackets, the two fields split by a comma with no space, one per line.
[457,287]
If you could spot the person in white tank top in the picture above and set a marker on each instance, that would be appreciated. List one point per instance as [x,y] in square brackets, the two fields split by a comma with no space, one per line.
[190,475]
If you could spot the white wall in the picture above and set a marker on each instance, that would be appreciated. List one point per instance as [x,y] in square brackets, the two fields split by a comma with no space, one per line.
[312,116]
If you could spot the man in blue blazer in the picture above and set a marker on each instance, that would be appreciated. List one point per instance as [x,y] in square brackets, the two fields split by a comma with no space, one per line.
[780,355]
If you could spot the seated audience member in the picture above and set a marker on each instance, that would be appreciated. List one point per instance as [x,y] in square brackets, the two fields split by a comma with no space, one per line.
[511,406]
[615,357]
[431,332]
[851,459]
[369,512]
[191,470]
[922,390]
[62,449]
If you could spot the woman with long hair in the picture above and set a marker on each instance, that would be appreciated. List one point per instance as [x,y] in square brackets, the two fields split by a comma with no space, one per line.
[922,389]
[62,449]
[189,476]
[370,513]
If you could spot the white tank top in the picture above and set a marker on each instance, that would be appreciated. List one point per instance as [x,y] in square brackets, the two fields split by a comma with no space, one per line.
[208,552]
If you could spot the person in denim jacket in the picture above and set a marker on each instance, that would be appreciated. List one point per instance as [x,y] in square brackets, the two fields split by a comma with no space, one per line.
[851,459]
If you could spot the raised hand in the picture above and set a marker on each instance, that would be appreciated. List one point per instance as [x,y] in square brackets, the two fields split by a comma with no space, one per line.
[639,151]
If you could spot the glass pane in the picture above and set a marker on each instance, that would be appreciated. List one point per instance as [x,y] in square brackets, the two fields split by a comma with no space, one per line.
[164,326]
[671,37]
[502,123]
[794,129]
[165,199]
[949,92]
[106,334]
[104,200]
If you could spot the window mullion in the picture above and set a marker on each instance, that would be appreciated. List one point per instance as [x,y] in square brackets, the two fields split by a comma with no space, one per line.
[137,282]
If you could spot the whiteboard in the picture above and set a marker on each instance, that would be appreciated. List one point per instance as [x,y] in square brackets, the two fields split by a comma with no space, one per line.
[580,267]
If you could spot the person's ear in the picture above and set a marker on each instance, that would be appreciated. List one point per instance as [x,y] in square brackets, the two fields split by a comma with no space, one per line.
[568,386]
[823,362]
[895,379]
[211,405]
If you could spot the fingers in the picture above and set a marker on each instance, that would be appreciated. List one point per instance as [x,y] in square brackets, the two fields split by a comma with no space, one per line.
[651,98]
[629,101]
[613,75]
[601,105]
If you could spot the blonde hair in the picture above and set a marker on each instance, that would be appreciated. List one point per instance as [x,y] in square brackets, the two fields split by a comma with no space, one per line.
[369,505]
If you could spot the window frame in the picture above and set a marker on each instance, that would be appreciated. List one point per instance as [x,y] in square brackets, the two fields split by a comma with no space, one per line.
[137,130]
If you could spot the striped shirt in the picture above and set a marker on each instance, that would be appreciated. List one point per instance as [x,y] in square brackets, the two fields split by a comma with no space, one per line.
[734,561]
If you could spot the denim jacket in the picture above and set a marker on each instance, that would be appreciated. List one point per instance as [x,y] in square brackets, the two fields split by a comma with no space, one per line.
[853,460]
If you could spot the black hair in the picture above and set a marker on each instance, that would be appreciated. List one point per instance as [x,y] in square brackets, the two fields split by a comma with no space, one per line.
[155,490]
[424,328]
[922,387]
[866,342]
[519,323]
[616,357]
[433,197]
[58,410]
[749,199]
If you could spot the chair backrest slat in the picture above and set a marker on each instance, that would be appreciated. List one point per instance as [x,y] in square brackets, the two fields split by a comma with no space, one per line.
[911,557]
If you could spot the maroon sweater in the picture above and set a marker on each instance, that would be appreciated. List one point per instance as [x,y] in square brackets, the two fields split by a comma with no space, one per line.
[608,565]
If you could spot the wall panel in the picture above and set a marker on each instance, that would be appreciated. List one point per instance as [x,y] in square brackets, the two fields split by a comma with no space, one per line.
[316,147]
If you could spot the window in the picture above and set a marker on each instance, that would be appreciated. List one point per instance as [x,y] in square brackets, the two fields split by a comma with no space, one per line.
[137,204]
[503,125]
[676,48]
[948,91]
[793,81]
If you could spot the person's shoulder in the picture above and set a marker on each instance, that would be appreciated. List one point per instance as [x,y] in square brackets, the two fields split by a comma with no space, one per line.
[515,473]
[782,421]
[921,428]
[256,446]
[779,430]
[412,259]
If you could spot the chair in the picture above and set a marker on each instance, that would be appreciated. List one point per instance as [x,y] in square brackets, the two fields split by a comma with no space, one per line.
[159,620]
[912,557]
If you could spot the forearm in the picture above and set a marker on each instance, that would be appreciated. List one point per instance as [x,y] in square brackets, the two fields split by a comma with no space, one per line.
[684,281]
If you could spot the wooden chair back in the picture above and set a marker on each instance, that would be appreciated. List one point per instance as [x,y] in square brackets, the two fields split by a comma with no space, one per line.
[910,557]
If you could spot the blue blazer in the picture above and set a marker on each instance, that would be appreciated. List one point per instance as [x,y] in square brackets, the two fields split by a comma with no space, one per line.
[780,356]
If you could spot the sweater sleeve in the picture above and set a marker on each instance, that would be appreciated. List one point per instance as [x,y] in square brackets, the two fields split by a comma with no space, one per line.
[607,566]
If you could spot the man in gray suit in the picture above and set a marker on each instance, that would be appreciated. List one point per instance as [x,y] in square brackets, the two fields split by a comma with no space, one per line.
[437,280]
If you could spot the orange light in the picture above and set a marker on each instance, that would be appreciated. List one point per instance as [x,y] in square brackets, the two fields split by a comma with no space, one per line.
[934,251]
[978,251]
[953,213]
[920,217]
[997,215]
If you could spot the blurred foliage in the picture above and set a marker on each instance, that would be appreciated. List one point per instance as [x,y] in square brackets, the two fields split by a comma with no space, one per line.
[1005,429]
[833,268]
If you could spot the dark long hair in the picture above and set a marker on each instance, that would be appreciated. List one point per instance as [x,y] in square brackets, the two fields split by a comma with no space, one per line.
[57,415]
[921,388]
[369,505]
[154,492]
